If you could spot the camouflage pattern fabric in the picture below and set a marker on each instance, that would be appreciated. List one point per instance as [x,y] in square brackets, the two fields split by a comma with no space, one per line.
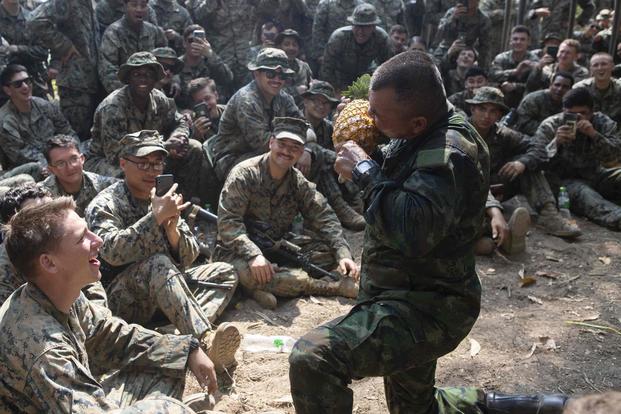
[151,276]
[78,108]
[118,43]
[454,81]
[534,108]
[541,78]
[245,126]
[50,360]
[459,101]
[117,116]
[558,20]
[210,67]
[475,31]
[594,199]
[171,15]
[495,10]
[344,60]
[302,77]
[329,16]
[502,70]
[109,11]
[23,135]
[92,184]
[419,292]
[607,101]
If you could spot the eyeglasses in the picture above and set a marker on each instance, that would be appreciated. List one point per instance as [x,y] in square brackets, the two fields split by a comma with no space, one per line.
[145,165]
[73,161]
[18,83]
[271,74]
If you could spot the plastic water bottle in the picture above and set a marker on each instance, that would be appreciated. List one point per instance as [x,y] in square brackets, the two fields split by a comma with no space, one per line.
[563,202]
[297,226]
[211,231]
[262,343]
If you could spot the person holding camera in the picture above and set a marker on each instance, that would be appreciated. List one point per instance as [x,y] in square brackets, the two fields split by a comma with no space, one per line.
[564,60]
[585,142]
[148,250]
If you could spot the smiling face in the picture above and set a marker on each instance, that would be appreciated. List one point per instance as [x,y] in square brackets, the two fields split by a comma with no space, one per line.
[139,181]
[19,89]
[317,106]
[559,87]
[466,58]
[520,42]
[141,81]
[291,47]
[362,34]
[67,164]
[284,153]
[270,82]
[601,67]
[567,54]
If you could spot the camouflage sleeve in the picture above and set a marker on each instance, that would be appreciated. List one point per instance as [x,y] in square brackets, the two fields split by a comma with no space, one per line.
[30,54]
[42,24]
[203,9]
[536,80]
[14,146]
[152,15]
[61,125]
[109,126]
[331,55]
[447,28]
[320,217]
[176,122]
[319,33]
[497,73]
[231,211]
[517,143]
[218,70]
[537,155]
[607,143]
[528,114]
[109,64]
[386,50]
[491,202]
[254,128]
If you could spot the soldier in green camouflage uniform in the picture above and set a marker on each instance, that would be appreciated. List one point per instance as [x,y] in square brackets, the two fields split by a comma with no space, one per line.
[474,78]
[578,163]
[67,178]
[291,43]
[68,28]
[556,17]
[26,121]
[541,74]
[267,189]
[538,105]
[229,27]
[62,353]
[470,25]
[109,11]
[150,249]
[509,165]
[173,18]
[123,38]
[355,50]
[329,16]
[605,89]
[419,292]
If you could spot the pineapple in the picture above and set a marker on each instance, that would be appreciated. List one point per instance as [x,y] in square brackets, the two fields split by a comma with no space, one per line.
[354,123]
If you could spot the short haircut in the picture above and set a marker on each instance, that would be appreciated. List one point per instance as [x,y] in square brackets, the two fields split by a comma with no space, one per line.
[417,39]
[470,48]
[10,71]
[416,82]
[602,54]
[60,141]
[190,29]
[571,43]
[397,28]
[11,202]
[578,97]
[520,28]
[475,71]
[34,231]
[564,74]
[198,84]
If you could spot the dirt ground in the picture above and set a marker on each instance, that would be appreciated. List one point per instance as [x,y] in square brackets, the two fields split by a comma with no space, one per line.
[526,343]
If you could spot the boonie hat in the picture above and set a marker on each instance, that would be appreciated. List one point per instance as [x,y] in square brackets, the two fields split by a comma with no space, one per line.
[271,58]
[292,128]
[138,60]
[142,143]
[364,15]
[169,53]
[488,94]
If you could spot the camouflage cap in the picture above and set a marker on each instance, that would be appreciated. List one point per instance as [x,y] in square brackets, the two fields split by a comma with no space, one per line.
[322,88]
[169,53]
[137,60]
[288,33]
[488,94]
[551,36]
[603,14]
[292,128]
[364,15]
[142,143]
[271,58]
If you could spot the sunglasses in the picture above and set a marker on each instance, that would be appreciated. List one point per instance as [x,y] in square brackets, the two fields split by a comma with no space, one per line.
[18,83]
[271,74]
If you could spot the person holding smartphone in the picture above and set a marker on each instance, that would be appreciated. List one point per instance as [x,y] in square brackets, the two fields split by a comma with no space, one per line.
[565,61]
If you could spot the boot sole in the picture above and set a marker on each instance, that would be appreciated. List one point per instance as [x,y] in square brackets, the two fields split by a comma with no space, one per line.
[225,343]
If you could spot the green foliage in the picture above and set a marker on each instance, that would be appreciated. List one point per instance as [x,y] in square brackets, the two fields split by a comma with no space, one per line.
[360,88]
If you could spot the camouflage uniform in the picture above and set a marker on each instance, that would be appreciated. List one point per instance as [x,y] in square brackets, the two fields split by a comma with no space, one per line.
[245,126]
[23,135]
[558,20]
[145,274]
[534,108]
[454,81]
[60,25]
[607,101]
[109,11]
[250,193]
[117,116]
[171,15]
[53,362]
[302,77]
[119,42]
[502,70]
[330,15]
[459,101]
[228,27]
[475,31]
[578,166]
[419,292]
[390,12]
[344,60]
[495,10]
[92,184]
[210,67]
[541,78]
[34,58]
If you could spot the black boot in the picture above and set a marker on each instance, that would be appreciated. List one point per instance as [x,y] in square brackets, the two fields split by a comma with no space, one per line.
[524,404]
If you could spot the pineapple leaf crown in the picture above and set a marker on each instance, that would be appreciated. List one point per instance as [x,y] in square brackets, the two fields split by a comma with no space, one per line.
[360,88]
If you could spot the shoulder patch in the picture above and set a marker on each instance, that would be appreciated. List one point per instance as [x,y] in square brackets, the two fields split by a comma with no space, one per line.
[432,158]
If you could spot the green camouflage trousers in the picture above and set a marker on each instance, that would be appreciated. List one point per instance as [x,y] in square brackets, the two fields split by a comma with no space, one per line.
[373,340]
[139,291]
[533,185]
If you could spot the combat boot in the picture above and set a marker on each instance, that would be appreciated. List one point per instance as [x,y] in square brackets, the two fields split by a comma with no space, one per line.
[555,224]
[348,217]
[221,345]
[524,404]
[518,227]
[265,299]
[345,287]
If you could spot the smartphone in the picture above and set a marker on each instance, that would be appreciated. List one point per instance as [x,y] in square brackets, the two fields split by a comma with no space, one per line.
[570,120]
[201,109]
[199,34]
[163,183]
[464,3]
[552,51]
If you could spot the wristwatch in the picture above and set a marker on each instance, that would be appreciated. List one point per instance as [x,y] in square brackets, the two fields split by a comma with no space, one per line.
[362,169]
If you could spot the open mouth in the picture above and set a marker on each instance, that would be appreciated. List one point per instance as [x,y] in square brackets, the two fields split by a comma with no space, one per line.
[94,262]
